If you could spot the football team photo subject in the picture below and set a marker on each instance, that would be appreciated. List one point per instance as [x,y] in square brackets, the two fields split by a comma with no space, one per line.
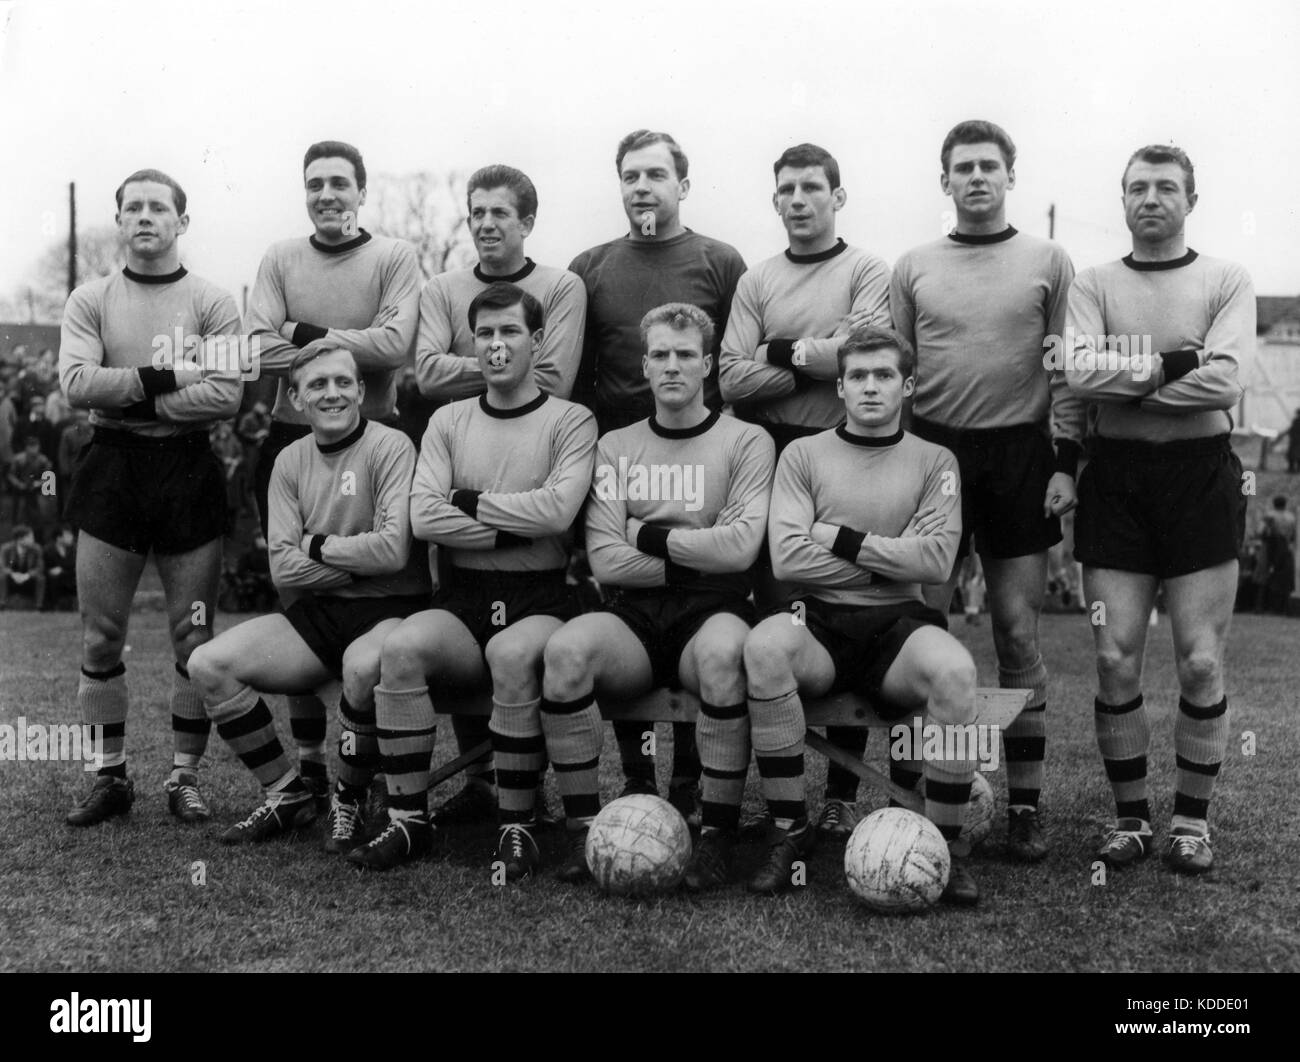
[712,489]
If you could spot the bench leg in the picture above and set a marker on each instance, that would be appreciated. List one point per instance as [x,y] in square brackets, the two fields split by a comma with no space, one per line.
[910,800]
[453,767]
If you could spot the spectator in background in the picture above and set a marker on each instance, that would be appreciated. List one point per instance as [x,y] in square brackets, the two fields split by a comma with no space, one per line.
[1277,533]
[57,411]
[1293,445]
[22,571]
[413,409]
[32,504]
[61,570]
[8,421]
[230,452]
[35,424]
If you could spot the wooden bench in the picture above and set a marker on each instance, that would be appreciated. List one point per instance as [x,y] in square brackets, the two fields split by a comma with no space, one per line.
[993,707]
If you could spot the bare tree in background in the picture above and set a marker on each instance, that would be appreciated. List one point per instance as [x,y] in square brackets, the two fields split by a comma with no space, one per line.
[41,299]
[428,209]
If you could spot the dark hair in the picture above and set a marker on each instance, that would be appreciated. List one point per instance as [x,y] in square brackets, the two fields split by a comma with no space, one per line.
[870,338]
[336,149]
[1158,153]
[21,531]
[501,296]
[315,350]
[976,131]
[802,155]
[158,177]
[679,316]
[640,138]
[1279,502]
[518,183]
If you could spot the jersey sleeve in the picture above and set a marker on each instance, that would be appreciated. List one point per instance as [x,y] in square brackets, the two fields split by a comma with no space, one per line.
[291,567]
[267,312]
[742,376]
[387,343]
[440,372]
[216,395]
[922,558]
[387,547]
[796,557]
[433,517]
[555,367]
[1095,374]
[86,382]
[1068,410]
[869,294]
[550,509]
[615,561]
[1215,382]
[733,547]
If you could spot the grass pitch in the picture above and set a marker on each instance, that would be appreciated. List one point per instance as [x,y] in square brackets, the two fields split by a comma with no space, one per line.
[146,893]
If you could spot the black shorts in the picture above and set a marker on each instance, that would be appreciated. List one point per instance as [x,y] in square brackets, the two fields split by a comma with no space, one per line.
[280,436]
[141,493]
[1163,509]
[664,620]
[1004,477]
[864,641]
[489,602]
[329,624]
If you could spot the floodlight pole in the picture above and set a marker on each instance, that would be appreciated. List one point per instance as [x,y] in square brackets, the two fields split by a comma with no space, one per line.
[72,236]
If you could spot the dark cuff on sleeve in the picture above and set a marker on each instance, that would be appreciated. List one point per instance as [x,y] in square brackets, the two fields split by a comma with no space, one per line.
[780,352]
[801,381]
[678,575]
[653,540]
[142,410]
[304,333]
[848,544]
[1179,363]
[314,547]
[466,501]
[156,381]
[505,540]
[1067,457]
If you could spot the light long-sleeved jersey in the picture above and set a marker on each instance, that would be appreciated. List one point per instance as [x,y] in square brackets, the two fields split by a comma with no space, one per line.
[679,507]
[1157,346]
[363,295]
[788,298]
[340,516]
[113,328]
[873,488]
[446,368]
[978,310]
[502,487]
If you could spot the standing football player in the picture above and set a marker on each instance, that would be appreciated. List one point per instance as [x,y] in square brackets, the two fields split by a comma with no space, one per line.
[675,519]
[355,291]
[862,517]
[340,538]
[1161,500]
[149,481]
[979,305]
[502,205]
[778,363]
[499,482]
[659,261]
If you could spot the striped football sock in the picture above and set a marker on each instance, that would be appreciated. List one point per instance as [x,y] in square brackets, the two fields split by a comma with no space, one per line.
[307,726]
[190,723]
[358,752]
[406,730]
[245,724]
[574,737]
[1024,742]
[519,751]
[101,697]
[1123,737]
[1200,742]
[723,734]
[777,730]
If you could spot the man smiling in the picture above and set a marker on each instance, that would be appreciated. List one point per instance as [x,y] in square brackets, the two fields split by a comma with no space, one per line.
[341,538]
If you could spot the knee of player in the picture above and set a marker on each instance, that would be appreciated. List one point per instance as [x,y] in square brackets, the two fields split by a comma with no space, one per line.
[1016,638]
[952,683]
[360,676]
[206,667]
[767,654]
[186,638]
[511,658]
[403,652]
[102,639]
[1114,662]
[1198,668]
[568,657]
[720,661]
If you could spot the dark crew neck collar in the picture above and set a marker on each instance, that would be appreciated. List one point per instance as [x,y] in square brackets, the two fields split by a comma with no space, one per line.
[684,433]
[150,278]
[340,248]
[873,442]
[511,278]
[342,444]
[821,256]
[509,414]
[978,238]
[1152,267]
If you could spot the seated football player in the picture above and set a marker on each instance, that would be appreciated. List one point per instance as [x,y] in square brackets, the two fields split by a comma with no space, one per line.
[341,536]
[862,516]
[499,482]
[675,519]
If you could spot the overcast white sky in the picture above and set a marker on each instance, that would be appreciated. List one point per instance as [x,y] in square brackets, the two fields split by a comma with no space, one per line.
[226,96]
